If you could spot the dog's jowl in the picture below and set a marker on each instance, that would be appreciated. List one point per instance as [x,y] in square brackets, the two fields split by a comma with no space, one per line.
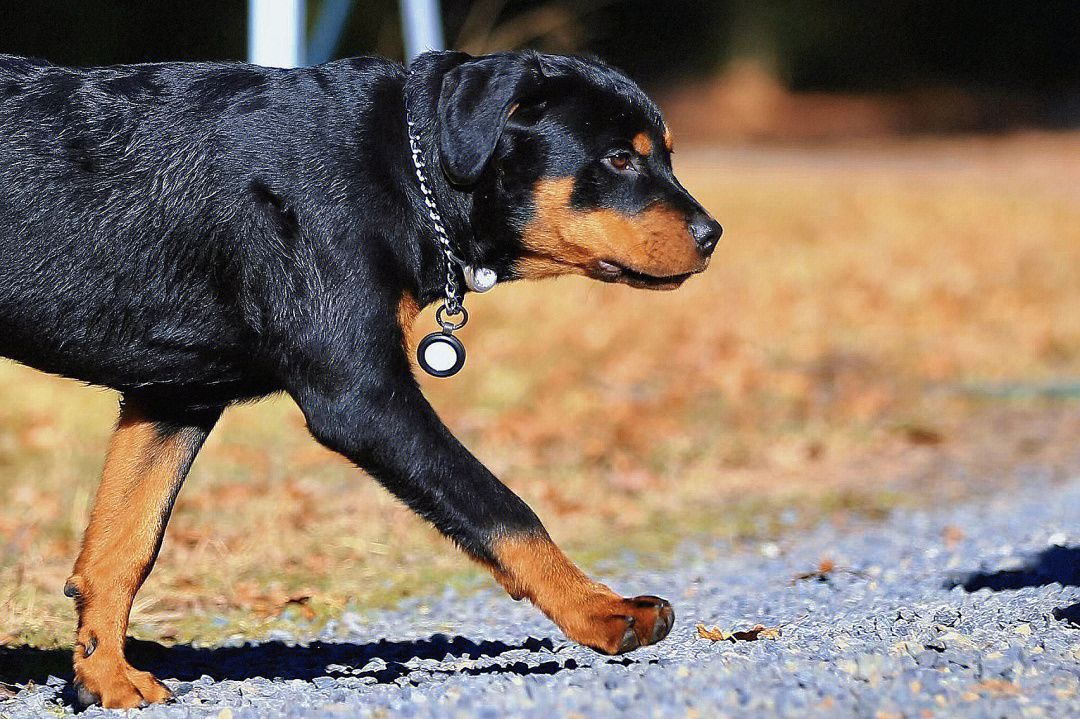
[194,235]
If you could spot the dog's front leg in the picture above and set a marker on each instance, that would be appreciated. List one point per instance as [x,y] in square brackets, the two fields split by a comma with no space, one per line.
[378,418]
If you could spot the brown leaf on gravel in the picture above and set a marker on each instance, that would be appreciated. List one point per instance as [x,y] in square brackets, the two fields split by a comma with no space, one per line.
[758,631]
[713,635]
[825,567]
[6,691]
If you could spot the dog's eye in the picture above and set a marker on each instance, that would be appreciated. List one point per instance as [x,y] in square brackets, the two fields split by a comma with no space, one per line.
[620,161]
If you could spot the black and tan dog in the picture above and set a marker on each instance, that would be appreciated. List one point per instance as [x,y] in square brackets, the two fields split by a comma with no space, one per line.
[194,235]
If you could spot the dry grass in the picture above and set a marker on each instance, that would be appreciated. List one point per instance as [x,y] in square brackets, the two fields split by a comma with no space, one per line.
[824,362]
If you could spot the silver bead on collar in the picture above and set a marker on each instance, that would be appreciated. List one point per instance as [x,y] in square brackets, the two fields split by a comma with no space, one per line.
[479,279]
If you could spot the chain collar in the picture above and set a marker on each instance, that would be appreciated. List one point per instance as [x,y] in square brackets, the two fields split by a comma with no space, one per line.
[453,302]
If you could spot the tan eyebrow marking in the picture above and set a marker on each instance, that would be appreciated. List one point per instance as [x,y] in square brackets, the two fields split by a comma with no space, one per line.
[642,143]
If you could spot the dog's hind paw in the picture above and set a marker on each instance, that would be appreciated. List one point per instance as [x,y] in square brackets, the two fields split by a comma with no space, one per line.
[123,688]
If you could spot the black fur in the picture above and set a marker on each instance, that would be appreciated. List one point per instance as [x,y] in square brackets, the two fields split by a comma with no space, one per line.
[195,235]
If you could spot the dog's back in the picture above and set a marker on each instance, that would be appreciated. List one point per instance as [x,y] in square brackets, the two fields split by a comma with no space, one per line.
[130,215]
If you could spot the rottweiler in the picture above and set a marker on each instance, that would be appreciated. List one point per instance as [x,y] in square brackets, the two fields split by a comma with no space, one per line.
[195,235]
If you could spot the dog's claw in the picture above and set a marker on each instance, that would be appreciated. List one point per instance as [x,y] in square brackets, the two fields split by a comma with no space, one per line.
[630,640]
[86,697]
[663,623]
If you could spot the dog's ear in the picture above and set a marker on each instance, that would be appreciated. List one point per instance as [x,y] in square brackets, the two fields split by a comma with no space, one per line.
[475,102]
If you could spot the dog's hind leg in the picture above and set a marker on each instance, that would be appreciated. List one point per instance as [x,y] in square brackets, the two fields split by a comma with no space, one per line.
[148,458]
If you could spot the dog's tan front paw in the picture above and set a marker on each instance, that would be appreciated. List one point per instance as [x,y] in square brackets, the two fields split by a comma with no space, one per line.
[623,625]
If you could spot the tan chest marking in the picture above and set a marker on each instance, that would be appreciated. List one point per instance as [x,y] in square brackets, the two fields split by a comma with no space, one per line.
[407,312]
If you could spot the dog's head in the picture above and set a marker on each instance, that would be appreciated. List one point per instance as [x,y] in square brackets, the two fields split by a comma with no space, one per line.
[569,166]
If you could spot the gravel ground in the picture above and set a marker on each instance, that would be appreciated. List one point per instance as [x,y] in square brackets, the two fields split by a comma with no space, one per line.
[969,611]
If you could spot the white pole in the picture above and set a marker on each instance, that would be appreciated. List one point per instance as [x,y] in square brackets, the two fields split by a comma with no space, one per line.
[276,32]
[421,25]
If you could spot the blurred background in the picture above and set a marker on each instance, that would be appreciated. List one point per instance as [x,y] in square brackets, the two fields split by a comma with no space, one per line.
[892,318]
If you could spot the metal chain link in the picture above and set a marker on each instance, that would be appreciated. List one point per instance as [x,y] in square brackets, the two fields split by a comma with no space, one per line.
[454,300]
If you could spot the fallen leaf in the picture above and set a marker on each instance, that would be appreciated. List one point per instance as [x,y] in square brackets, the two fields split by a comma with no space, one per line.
[713,635]
[825,569]
[758,631]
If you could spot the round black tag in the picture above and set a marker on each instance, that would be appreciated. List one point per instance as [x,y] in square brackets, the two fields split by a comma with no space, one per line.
[440,354]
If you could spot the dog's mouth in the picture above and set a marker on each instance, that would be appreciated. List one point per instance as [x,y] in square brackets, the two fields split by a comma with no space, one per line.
[611,271]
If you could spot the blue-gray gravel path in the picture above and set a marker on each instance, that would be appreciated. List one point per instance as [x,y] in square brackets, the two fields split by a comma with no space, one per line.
[969,611]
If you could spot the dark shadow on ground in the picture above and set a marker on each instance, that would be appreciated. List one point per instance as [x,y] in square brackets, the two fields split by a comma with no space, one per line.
[1056,564]
[1070,614]
[277,660]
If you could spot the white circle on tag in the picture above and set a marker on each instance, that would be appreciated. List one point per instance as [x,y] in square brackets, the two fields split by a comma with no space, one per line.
[440,356]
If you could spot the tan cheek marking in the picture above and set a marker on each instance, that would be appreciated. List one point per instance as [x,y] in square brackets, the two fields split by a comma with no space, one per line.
[561,240]
[548,250]
[669,139]
[407,311]
[642,144]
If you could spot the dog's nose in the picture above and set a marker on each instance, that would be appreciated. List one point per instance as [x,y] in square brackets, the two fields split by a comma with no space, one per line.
[706,232]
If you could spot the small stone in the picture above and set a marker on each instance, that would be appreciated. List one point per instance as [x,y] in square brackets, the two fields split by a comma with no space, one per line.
[947,616]
[906,614]
[377,664]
